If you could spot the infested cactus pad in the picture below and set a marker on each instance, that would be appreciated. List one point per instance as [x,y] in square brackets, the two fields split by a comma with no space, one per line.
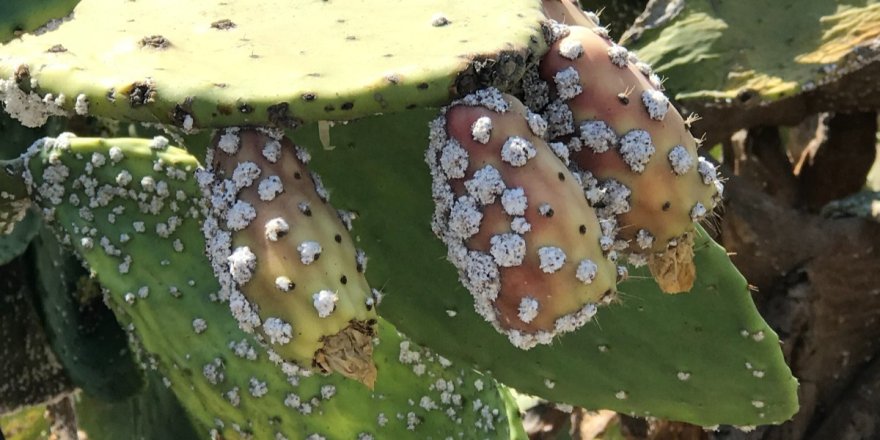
[221,375]
[267,62]
[526,243]
[283,254]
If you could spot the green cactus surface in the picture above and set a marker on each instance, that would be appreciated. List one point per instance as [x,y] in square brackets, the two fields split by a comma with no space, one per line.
[752,48]
[706,357]
[161,285]
[16,241]
[265,62]
[83,333]
[18,17]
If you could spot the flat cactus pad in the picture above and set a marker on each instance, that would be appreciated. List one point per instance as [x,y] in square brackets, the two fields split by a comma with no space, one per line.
[214,64]
[705,356]
[753,49]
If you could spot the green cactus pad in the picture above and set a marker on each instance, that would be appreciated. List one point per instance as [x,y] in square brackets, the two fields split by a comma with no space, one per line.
[755,49]
[20,235]
[695,357]
[268,62]
[83,333]
[167,292]
[17,17]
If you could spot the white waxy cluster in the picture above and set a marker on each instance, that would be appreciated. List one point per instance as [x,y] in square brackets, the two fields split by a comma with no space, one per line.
[269,188]
[561,151]
[229,141]
[464,218]
[278,331]
[508,250]
[568,83]
[597,136]
[481,129]
[559,118]
[240,215]
[587,271]
[517,151]
[645,239]
[514,201]
[636,149]
[537,123]
[242,263]
[309,251]
[275,228]
[272,150]
[325,302]
[680,159]
[551,258]
[656,103]
[284,284]
[485,185]
[707,171]
[619,55]
[454,160]
[698,212]
[528,309]
[571,49]
[244,174]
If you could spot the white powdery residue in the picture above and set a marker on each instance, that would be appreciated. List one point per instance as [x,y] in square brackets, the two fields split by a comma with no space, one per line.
[229,141]
[528,309]
[283,284]
[549,384]
[125,266]
[177,245]
[683,375]
[82,105]
[559,118]
[545,210]
[148,183]
[28,108]
[320,189]
[143,292]
[517,151]
[278,331]
[561,151]
[552,258]
[272,150]
[188,122]
[571,48]
[258,388]
[619,55]
[242,263]
[123,178]
[598,136]
[277,227]
[325,302]
[514,201]
[656,103]
[482,275]
[621,395]
[159,143]
[453,159]
[244,174]
[303,155]
[292,401]
[698,212]
[240,215]
[568,83]
[98,160]
[485,185]
[636,149]
[557,31]
[680,160]
[199,325]
[490,98]
[213,371]
[87,242]
[309,251]
[116,154]
[520,225]
[645,239]
[481,130]
[328,391]
[535,89]
[637,260]
[644,68]
[537,124]
[509,250]
[615,196]
[361,259]
[707,171]
[269,188]
[586,271]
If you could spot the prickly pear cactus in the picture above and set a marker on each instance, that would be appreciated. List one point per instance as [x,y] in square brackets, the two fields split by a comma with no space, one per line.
[640,163]
[525,242]
[190,68]
[283,255]
[634,349]
[38,16]
[221,375]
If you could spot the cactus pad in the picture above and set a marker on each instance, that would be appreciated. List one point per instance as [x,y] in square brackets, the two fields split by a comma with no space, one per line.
[247,62]
[220,374]
[752,51]
[637,346]
[17,18]
[526,243]
[283,256]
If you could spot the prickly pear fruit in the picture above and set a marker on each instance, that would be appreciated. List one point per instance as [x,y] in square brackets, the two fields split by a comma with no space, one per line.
[514,219]
[284,257]
[167,298]
[634,147]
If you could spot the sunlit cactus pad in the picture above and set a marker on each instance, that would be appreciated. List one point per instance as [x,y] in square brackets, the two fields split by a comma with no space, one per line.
[214,64]
[721,50]
[17,17]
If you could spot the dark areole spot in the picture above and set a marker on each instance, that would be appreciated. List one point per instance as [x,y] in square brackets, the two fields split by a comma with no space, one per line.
[224,24]
[343,280]
[347,105]
[561,176]
[666,206]
[155,41]
[297,175]
[582,229]
[338,238]
[308,97]
[623,98]
[422,86]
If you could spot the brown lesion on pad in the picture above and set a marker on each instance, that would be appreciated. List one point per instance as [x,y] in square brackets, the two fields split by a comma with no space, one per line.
[155,42]
[224,24]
